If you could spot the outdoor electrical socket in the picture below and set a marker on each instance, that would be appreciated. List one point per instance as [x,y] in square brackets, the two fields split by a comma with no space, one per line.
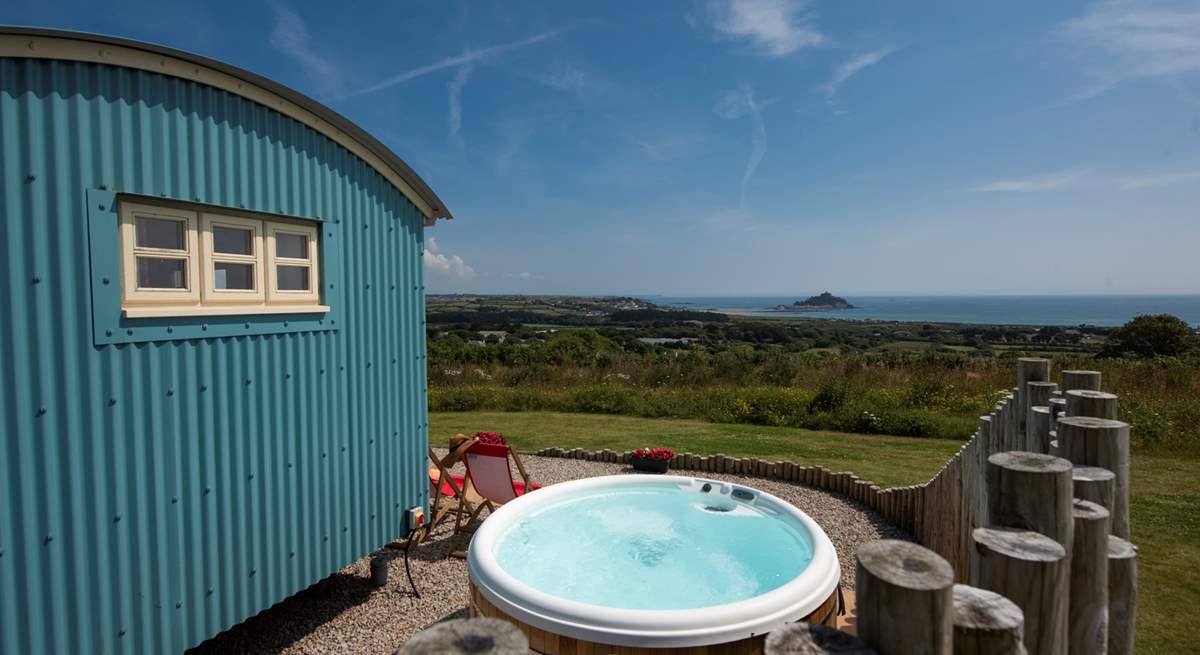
[414,517]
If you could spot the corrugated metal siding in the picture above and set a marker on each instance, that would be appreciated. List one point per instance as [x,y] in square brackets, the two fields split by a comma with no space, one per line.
[155,494]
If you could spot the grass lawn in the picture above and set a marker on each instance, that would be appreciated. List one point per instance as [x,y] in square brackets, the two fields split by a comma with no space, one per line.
[1165,505]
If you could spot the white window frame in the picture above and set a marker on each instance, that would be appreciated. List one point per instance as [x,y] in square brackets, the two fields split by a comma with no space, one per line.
[210,258]
[312,295]
[132,294]
[201,297]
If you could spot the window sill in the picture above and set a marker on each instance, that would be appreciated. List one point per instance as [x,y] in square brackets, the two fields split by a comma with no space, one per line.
[169,310]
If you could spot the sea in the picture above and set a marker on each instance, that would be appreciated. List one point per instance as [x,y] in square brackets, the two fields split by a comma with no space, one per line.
[1098,310]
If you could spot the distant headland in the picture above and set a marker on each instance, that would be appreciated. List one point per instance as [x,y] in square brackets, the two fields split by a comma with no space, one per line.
[822,303]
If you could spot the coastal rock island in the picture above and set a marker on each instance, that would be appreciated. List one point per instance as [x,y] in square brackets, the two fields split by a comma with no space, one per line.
[822,303]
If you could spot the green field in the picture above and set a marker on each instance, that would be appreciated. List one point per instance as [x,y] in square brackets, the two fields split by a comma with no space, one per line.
[1165,504]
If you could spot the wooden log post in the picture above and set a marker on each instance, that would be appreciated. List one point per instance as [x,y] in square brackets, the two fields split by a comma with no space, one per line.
[813,639]
[1031,491]
[986,623]
[1088,441]
[905,598]
[1091,403]
[467,637]
[1087,611]
[1095,484]
[1122,595]
[1039,429]
[1029,369]
[1083,380]
[1058,409]
[1030,569]
[1037,394]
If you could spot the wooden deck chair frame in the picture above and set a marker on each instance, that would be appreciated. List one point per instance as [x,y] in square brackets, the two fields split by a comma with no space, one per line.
[440,507]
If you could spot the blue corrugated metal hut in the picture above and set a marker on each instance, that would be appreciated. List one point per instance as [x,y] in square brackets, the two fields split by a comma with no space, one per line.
[212,360]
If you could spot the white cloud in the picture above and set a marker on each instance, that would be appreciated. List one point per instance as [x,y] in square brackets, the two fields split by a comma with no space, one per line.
[440,263]
[851,68]
[454,96]
[289,35]
[669,147]
[564,77]
[1161,180]
[1122,40]
[467,57]
[524,276]
[774,27]
[736,104]
[1049,182]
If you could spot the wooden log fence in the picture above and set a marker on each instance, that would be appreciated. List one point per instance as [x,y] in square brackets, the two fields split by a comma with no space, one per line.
[1007,522]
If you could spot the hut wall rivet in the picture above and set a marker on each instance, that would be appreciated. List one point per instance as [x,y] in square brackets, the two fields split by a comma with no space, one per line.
[117,518]
[104,280]
[36,279]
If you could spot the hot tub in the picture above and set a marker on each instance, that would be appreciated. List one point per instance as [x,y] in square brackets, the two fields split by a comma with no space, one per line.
[651,562]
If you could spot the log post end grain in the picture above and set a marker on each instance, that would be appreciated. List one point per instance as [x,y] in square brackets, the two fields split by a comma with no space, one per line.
[812,639]
[1083,402]
[467,637]
[1090,422]
[1018,544]
[904,595]
[1095,484]
[986,622]
[1090,394]
[1030,569]
[1075,379]
[1028,462]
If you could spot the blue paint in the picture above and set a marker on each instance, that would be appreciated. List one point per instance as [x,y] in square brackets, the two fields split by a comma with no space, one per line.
[161,486]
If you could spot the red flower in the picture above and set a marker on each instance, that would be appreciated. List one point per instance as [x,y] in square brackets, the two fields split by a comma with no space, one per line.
[491,437]
[654,453]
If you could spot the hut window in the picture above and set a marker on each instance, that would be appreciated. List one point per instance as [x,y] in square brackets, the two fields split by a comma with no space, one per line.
[178,261]
[292,263]
[160,249]
[232,259]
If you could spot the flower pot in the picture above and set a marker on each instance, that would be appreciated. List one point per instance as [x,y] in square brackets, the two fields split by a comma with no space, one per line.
[650,465]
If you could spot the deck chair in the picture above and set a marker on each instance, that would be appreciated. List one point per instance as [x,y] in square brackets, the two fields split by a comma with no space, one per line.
[490,476]
[448,493]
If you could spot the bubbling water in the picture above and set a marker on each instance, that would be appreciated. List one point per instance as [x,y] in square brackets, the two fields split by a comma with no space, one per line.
[653,547]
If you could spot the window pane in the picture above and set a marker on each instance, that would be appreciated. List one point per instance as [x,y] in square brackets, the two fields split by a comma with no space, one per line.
[292,278]
[161,273]
[233,241]
[233,276]
[294,246]
[160,233]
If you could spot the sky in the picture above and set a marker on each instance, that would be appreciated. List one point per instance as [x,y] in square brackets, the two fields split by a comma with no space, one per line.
[752,147]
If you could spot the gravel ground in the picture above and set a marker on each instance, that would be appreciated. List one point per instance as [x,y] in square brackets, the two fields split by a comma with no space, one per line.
[345,614]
